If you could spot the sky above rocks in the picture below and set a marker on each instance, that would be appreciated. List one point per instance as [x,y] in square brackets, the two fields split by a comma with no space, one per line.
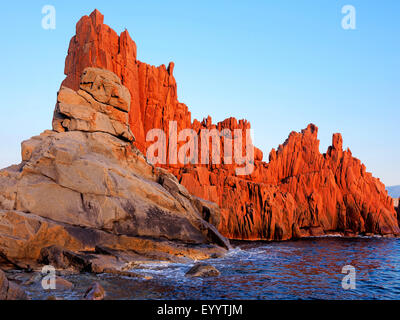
[279,64]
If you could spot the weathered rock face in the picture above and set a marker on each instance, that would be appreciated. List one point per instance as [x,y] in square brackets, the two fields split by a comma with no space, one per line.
[300,192]
[153,90]
[85,185]
[100,105]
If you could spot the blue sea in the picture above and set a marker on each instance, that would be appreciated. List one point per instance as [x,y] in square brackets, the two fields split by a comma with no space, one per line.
[304,269]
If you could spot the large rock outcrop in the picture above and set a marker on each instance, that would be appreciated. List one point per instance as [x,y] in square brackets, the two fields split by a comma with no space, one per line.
[300,192]
[84,185]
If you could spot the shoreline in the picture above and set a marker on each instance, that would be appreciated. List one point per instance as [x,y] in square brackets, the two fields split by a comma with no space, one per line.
[245,256]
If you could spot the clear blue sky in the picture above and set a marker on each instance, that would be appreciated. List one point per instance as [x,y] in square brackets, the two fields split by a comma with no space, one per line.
[279,64]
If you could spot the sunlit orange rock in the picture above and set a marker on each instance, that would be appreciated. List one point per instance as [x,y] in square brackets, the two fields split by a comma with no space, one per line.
[299,192]
[153,89]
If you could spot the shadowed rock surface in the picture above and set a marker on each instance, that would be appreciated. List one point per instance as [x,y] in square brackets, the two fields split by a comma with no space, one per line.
[299,193]
[9,290]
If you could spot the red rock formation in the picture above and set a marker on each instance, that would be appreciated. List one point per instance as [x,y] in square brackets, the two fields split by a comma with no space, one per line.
[300,192]
[153,89]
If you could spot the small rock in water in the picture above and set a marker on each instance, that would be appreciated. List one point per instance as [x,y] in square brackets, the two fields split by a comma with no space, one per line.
[62,284]
[202,270]
[95,292]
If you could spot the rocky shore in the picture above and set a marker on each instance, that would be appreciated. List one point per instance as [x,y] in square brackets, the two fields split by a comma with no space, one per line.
[85,198]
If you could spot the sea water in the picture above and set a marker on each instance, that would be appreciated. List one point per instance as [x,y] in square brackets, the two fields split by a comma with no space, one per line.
[303,269]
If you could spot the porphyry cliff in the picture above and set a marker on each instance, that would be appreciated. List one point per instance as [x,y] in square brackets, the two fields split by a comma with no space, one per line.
[299,193]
